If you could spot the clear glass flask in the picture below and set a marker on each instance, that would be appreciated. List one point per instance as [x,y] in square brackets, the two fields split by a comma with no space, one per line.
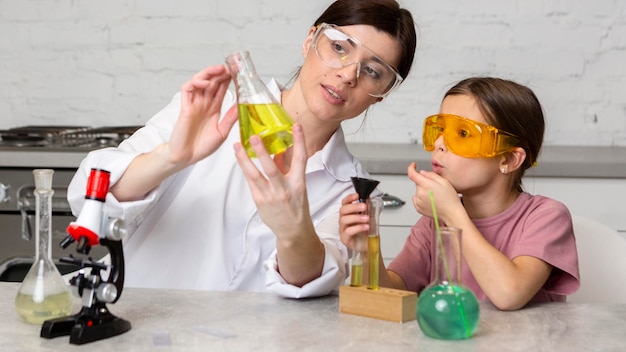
[43,294]
[259,112]
[446,309]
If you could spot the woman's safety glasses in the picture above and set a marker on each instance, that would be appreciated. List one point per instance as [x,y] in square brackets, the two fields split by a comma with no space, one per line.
[337,49]
[468,138]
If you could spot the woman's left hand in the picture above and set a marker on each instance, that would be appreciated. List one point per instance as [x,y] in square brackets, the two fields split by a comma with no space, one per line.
[281,199]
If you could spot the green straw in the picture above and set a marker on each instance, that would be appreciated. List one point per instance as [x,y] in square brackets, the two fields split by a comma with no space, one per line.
[438,232]
[445,261]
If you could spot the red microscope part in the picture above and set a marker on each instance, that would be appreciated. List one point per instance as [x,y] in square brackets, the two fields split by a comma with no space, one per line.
[86,229]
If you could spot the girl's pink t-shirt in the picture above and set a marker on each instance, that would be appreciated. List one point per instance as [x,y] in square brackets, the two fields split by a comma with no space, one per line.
[534,226]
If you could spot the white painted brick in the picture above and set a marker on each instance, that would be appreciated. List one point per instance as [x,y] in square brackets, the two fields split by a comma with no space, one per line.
[118,61]
[185,8]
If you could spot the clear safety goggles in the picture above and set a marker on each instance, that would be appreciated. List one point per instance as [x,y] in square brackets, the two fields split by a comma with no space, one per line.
[468,138]
[337,50]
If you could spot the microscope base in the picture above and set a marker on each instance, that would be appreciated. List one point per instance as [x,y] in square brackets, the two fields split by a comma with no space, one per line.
[90,324]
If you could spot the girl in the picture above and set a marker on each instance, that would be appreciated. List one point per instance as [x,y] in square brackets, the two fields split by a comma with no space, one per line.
[518,248]
[199,221]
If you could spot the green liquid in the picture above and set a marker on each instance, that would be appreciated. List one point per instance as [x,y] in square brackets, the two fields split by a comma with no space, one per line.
[270,122]
[53,306]
[448,312]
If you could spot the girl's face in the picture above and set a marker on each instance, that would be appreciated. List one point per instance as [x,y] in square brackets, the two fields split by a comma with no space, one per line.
[467,175]
[334,94]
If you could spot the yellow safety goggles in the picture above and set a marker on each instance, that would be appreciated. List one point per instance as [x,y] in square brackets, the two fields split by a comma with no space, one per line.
[467,138]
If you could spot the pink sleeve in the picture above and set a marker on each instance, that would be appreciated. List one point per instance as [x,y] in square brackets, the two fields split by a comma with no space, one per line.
[549,236]
[413,263]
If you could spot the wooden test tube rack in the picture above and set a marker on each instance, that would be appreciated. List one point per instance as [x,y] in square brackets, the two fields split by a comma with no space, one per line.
[384,303]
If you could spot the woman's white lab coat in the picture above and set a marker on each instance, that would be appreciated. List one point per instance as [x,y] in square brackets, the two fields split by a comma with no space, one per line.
[200,228]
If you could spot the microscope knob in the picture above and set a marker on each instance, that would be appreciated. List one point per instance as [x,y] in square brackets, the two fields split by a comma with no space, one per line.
[114,229]
[106,292]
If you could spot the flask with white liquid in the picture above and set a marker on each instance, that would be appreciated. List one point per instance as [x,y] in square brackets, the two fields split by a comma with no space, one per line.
[43,294]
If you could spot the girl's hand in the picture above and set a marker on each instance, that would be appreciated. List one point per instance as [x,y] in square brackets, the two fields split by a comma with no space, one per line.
[198,131]
[353,219]
[446,198]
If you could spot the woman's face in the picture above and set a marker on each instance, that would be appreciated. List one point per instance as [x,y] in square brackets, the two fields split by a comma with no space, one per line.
[334,94]
[465,174]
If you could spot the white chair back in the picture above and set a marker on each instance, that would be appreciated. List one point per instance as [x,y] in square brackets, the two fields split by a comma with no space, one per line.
[602,262]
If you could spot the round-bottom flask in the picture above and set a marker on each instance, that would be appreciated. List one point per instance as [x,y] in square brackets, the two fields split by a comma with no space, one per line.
[446,309]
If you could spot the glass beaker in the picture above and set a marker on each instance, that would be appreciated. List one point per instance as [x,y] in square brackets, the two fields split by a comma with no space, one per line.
[446,309]
[43,294]
[259,112]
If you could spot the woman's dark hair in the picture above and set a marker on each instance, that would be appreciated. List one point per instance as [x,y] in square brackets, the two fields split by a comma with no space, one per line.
[511,107]
[385,15]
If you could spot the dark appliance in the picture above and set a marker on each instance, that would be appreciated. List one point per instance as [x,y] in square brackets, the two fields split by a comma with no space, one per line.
[23,149]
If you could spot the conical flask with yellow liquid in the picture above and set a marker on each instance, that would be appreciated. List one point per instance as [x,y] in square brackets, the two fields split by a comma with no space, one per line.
[259,111]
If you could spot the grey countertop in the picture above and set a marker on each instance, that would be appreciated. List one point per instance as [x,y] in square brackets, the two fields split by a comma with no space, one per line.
[181,320]
[554,161]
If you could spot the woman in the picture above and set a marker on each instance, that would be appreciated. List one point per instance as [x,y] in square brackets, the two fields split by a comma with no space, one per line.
[518,248]
[203,218]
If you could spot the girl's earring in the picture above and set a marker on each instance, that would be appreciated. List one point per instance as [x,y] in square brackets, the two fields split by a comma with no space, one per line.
[503,171]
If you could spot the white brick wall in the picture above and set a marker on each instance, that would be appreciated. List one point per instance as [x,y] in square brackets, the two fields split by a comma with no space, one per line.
[117,62]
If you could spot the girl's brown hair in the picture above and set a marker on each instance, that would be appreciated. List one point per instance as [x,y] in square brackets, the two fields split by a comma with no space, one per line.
[509,106]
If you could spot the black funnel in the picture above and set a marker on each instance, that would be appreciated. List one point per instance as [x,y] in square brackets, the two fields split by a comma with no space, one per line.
[364,187]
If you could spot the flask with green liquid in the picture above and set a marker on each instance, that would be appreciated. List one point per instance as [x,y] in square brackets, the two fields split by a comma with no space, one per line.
[446,309]
[259,111]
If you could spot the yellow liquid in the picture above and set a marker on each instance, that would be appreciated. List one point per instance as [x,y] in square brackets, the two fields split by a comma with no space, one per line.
[270,122]
[53,306]
[356,275]
[373,251]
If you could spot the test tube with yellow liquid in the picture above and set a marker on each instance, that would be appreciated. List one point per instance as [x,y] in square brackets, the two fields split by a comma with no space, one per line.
[260,113]
[375,206]
[361,242]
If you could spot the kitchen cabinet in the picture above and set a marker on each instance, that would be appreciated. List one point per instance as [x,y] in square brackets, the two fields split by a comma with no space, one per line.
[600,199]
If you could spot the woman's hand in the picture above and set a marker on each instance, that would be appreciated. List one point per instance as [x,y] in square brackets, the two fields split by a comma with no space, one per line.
[281,199]
[446,198]
[353,220]
[199,131]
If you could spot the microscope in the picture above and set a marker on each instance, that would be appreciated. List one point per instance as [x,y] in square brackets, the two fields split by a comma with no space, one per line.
[93,227]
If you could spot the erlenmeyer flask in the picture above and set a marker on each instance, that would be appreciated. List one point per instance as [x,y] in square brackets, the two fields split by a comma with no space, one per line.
[446,309]
[43,294]
[259,112]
